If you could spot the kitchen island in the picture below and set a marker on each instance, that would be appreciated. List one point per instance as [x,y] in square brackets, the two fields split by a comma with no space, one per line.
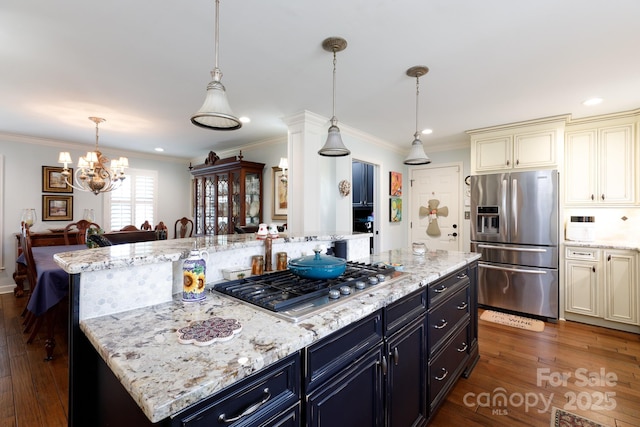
[138,347]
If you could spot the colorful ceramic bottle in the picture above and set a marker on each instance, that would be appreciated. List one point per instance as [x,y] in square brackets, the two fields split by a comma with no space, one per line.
[193,276]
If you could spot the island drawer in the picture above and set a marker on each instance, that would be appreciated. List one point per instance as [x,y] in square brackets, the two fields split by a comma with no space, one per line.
[329,355]
[446,318]
[443,288]
[252,401]
[404,311]
[445,368]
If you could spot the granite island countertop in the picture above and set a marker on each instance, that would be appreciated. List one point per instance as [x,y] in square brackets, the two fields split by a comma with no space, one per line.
[163,376]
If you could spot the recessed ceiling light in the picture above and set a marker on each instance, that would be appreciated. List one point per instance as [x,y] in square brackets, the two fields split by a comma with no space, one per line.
[427,131]
[592,101]
[245,119]
[159,149]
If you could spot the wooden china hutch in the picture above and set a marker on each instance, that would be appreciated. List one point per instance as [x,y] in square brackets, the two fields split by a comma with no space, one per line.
[227,194]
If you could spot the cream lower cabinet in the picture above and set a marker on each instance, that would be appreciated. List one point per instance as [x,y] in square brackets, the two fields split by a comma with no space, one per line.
[602,285]
[582,271]
[621,286]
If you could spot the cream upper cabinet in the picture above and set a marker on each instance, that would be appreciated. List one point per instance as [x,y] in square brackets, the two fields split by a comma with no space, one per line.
[600,163]
[536,144]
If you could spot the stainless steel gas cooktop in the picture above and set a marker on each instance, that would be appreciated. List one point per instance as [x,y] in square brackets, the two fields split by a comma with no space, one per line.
[294,298]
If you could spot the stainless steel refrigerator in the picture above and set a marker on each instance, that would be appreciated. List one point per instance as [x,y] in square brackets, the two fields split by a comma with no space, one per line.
[514,225]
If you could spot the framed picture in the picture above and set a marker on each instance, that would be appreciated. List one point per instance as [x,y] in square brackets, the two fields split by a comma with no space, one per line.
[280,194]
[395,209]
[57,208]
[395,184]
[53,180]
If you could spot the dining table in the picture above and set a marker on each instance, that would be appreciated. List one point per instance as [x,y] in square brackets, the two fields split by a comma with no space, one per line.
[52,283]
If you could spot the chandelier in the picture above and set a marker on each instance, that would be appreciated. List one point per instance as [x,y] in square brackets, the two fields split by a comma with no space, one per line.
[94,172]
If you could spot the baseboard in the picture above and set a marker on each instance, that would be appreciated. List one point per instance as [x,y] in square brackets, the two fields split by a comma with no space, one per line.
[7,289]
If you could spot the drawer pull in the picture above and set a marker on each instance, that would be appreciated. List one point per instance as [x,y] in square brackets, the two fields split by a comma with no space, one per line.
[461,276]
[384,365]
[442,325]
[250,410]
[440,290]
[444,375]
[463,349]
[396,356]
[463,306]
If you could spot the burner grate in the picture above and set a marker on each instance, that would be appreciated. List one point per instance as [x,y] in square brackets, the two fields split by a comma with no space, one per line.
[283,290]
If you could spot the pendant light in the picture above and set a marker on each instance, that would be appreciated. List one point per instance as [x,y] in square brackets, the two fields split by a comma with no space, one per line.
[417,155]
[216,113]
[334,146]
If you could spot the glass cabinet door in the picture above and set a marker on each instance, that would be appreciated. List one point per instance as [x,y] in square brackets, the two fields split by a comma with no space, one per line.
[252,198]
[223,204]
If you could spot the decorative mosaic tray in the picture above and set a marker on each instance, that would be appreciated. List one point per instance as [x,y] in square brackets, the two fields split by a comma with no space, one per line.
[206,332]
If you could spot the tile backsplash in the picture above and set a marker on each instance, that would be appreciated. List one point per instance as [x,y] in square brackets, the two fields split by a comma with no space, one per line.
[611,224]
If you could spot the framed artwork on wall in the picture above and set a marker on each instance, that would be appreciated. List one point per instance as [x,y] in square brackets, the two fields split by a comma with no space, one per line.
[53,181]
[57,208]
[395,209]
[395,184]
[280,198]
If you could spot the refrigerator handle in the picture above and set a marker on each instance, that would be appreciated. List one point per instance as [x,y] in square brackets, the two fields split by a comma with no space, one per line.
[514,270]
[514,207]
[508,248]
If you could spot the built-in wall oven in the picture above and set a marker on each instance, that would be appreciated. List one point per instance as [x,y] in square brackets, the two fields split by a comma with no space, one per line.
[514,226]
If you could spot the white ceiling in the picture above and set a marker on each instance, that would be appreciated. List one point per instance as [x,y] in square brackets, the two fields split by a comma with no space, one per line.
[144,66]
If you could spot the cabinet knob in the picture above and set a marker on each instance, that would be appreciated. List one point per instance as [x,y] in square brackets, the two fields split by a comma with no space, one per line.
[592,197]
[609,258]
[593,268]
[517,162]
[602,196]
[508,162]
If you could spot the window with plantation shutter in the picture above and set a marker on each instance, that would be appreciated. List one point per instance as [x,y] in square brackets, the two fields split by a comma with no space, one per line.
[134,202]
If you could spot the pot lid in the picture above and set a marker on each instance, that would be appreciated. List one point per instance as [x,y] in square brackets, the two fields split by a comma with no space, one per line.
[317,260]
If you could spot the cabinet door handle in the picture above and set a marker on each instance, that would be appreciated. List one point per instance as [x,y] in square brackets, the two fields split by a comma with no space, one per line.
[593,197]
[250,410]
[508,162]
[443,376]
[602,196]
[517,162]
[396,356]
[608,257]
[442,325]
[463,305]
[384,365]
[593,268]
[461,276]
[440,290]
[463,349]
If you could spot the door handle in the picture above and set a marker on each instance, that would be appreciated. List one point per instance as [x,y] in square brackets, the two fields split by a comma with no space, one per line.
[454,234]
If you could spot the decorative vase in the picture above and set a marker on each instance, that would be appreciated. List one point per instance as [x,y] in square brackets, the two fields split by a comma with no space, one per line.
[193,276]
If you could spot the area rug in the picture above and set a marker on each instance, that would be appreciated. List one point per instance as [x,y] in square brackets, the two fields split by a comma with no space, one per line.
[513,320]
[562,418]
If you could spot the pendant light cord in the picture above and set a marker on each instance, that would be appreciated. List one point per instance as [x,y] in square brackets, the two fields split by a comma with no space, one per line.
[334,85]
[217,34]
[417,97]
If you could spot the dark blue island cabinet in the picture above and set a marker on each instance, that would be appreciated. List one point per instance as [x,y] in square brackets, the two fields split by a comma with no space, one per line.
[391,369]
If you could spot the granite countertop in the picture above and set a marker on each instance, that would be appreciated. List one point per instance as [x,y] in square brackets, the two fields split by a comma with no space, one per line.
[144,253]
[163,376]
[606,244]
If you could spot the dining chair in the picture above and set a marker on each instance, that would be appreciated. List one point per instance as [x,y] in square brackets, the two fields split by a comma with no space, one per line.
[185,228]
[129,228]
[146,226]
[31,322]
[81,227]
[161,231]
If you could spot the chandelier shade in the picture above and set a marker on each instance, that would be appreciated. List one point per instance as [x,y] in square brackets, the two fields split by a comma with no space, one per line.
[94,173]
[215,112]
[334,147]
[417,155]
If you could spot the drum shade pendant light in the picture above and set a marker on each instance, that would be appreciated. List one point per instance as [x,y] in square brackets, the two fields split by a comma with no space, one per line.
[216,113]
[417,155]
[334,146]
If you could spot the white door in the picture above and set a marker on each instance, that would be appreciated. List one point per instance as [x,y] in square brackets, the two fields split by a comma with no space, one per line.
[434,191]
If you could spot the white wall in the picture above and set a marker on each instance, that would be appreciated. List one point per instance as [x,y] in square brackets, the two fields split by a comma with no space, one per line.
[23,161]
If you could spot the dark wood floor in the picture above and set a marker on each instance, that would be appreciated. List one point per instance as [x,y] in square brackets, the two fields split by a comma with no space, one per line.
[33,392]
